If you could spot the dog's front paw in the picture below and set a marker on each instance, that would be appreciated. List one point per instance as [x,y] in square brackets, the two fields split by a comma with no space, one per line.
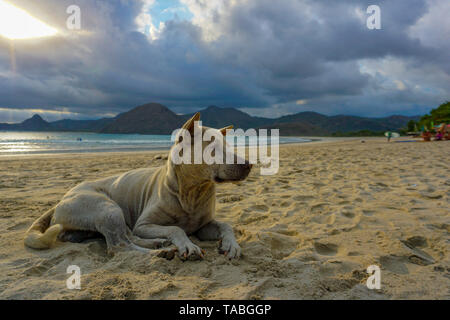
[167,254]
[230,248]
[190,251]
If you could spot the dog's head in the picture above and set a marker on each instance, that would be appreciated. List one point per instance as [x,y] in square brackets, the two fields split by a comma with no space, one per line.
[205,167]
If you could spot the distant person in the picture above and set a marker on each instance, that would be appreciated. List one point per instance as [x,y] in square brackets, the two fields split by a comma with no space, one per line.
[439,136]
[389,136]
[426,136]
[446,132]
[447,136]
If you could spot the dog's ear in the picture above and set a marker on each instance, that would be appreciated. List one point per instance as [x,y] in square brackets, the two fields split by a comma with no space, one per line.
[224,130]
[189,125]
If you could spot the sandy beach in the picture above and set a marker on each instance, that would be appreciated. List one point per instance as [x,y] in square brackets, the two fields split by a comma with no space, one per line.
[309,232]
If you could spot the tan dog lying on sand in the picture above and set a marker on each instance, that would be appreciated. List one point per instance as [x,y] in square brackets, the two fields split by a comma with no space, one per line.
[146,208]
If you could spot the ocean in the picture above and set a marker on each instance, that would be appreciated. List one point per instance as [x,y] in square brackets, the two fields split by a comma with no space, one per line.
[13,143]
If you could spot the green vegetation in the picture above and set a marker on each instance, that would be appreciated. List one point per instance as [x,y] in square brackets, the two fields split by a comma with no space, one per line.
[437,116]
[411,126]
[361,133]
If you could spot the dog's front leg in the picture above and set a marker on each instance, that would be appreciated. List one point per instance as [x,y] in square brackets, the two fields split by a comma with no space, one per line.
[175,234]
[216,230]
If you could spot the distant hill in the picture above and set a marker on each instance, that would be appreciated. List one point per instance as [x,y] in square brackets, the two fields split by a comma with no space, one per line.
[154,118]
[151,118]
[326,125]
[35,123]
[81,125]
[216,117]
[299,128]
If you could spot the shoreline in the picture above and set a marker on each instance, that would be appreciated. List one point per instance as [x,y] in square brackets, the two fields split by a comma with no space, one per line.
[313,140]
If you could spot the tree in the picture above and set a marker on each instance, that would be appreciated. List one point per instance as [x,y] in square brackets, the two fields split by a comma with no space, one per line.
[437,116]
[441,114]
[411,126]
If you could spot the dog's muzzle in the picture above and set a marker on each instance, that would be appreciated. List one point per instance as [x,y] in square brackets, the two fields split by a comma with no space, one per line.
[240,172]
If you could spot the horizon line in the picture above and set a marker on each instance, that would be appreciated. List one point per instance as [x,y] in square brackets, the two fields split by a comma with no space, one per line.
[40,111]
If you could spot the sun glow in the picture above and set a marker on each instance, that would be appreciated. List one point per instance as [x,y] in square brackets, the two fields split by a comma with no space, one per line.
[16,23]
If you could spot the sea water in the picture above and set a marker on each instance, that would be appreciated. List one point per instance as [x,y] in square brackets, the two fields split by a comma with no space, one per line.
[12,143]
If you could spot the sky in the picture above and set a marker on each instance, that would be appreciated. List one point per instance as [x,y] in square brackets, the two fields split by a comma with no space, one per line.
[264,57]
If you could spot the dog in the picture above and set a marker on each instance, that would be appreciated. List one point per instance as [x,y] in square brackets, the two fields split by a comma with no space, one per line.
[145,209]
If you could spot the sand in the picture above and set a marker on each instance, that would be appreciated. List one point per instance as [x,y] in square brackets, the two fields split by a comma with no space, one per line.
[309,232]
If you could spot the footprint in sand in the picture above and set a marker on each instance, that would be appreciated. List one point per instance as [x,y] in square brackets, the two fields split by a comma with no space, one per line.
[331,219]
[394,264]
[259,207]
[20,263]
[324,219]
[40,268]
[262,190]
[348,214]
[19,226]
[231,198]
[285,204]
[326,249]
[303,198]
[417,241]
[440,226]
[319,207]
[368,212]
[419,256]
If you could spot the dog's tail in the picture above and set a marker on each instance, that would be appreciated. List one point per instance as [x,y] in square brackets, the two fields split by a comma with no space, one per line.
[39,235]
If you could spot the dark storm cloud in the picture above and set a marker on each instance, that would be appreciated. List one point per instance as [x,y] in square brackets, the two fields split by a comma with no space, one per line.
[255,54]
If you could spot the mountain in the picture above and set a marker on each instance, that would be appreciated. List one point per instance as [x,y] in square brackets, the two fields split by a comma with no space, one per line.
[35,123]
[300,128]
[304,123]
[81,125]
[216,117]
[154,118]
[151,118]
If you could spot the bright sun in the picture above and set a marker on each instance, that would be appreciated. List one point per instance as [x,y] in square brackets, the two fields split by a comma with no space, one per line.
[16,23]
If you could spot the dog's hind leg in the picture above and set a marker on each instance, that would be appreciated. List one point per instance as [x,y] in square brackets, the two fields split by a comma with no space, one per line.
[110,222]
[94,212]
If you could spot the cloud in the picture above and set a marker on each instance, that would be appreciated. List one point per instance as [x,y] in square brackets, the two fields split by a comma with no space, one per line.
[250,54]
